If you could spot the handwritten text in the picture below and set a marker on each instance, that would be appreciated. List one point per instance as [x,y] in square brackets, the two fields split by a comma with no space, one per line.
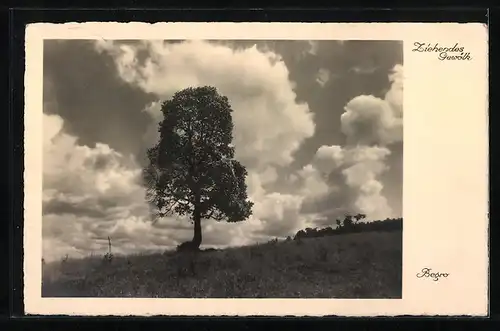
[427,273]
[455,52]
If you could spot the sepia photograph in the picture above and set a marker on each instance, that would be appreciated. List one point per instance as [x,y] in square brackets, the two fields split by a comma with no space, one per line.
[256,169]
[222,168]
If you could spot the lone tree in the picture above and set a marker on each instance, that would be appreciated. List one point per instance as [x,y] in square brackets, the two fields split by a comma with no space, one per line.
[192,170]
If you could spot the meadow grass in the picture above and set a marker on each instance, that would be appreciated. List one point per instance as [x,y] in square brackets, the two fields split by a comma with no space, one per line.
[358,265]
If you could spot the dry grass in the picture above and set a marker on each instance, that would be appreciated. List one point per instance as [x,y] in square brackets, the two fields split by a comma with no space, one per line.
[361,265]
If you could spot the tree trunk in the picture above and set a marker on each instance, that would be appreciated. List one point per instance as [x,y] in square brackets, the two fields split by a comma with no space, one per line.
[197,229]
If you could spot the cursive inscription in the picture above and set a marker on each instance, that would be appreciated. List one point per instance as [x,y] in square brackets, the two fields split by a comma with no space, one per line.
[427,273]
[455,52]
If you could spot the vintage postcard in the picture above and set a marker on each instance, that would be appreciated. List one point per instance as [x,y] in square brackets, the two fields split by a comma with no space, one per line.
[256,169]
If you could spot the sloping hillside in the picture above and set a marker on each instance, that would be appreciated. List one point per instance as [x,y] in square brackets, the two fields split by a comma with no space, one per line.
[358,265]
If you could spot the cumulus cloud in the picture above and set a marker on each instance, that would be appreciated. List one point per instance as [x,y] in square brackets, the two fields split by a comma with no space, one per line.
[92,193]
[86,191]
[95,192]
[366,164]
[96,172]
[269,124]
[328,158]
[346,179]
[371,126]
[377,123]
[369,120]
[395,94]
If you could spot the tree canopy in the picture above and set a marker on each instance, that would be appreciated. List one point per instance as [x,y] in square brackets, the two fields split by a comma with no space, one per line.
[192,170]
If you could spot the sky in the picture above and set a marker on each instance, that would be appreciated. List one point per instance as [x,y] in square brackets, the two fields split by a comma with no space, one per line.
[318,125]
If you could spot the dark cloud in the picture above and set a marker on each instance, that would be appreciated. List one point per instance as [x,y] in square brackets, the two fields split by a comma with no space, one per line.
[61,207]
[82,87]
[102,208]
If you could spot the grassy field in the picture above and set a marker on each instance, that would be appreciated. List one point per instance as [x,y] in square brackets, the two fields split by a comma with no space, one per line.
[361,265]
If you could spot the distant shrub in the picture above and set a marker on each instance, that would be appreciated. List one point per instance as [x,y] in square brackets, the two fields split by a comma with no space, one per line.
[301,234]
[352,224]
[273,241]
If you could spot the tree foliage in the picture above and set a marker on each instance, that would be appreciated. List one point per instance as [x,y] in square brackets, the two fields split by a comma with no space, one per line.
[191,170]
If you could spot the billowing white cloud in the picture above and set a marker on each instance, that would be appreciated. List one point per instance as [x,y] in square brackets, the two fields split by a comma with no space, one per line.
[356,171]
[87,191]
[269,124]
[369,120]
[371,126]
[395,94]
[74,169]
[313,183]
[94,192]
[366,164]
[328,158]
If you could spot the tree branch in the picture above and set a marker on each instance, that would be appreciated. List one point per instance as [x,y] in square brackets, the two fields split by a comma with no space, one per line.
[209,216]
